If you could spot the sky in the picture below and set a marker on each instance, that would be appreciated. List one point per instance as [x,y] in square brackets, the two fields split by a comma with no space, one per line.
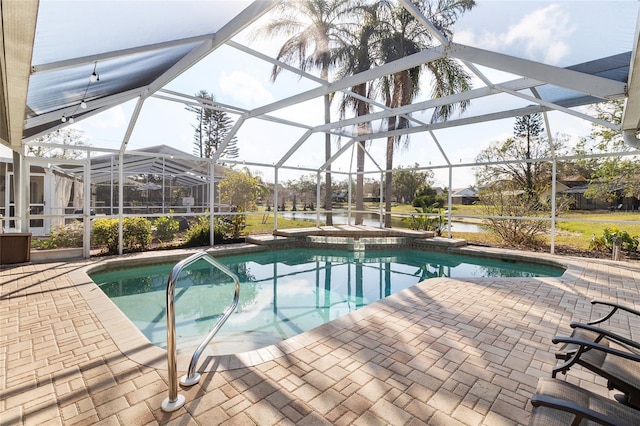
[560,33]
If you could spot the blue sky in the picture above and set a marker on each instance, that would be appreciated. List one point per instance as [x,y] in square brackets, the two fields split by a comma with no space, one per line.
[558,33]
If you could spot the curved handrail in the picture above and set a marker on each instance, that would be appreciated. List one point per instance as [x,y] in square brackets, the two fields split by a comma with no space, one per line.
[175,400]
[191,378]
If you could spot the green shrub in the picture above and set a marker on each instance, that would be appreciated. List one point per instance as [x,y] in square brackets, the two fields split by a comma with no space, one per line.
[429,200]
[166,227]
[426,220]
[105,233]
[199,234]
[235,224]
[136,233]
[64,236]
[605,242]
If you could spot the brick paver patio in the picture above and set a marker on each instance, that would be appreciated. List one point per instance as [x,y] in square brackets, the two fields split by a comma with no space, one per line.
[444,352]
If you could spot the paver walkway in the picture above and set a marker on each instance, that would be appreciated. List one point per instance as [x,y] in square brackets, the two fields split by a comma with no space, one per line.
[444,352]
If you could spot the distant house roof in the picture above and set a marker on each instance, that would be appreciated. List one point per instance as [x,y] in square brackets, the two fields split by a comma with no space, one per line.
[577,189]
[583,188]
[574,180]
[464,192]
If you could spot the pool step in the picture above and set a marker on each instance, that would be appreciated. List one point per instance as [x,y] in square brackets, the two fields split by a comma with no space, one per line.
[441,242]
[353,231]
[267,239]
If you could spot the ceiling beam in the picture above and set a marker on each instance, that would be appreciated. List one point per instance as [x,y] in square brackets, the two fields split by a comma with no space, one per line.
[390,68]
[105,56]
[97,104]
[254,11]
[593,85]
[453,123]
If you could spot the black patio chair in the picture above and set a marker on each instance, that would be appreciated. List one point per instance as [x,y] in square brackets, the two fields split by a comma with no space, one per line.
[618,361]
[583,331]
[560,403]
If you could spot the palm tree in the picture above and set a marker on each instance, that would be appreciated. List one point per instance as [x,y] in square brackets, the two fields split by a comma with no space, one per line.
[357,57]
[315,30]
[403,36]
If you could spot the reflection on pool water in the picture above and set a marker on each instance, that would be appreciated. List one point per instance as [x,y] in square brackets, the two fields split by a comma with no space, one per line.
[282,293]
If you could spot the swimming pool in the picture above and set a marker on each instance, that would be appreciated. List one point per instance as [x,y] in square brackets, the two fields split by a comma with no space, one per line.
[282,293]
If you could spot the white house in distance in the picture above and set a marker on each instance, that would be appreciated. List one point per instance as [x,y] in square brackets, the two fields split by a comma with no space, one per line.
[464,196]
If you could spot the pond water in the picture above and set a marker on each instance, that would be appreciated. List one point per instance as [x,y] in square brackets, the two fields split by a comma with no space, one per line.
[371,219]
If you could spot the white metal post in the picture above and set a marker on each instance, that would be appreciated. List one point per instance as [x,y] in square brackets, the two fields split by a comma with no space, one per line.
[111,188]
[318,198]
[449,201]
[553,181]
[21,181]
[275,198]
[349,205]
[553,205]
[212,193]
[86,211]
[381,201]
[163,186]
[120,200]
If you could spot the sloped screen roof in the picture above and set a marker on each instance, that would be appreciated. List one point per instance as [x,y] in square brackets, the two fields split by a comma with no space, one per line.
[136,47]
[128,45]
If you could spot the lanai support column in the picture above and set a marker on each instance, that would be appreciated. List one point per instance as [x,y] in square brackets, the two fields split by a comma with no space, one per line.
[553,179]
[349,181]
[275,198]
[21,192]
[318,199]
[449,201]
[163,186]
[381,201]
[120,199]
[212,195]
[111,188]
[86,211]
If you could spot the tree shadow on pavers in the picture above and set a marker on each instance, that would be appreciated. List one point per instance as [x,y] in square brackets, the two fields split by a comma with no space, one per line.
[484,320]
[375,364]
[426,341]
[89,389]
[21,292]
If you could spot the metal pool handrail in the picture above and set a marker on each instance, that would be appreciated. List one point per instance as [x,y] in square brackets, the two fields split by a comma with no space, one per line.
[175,400]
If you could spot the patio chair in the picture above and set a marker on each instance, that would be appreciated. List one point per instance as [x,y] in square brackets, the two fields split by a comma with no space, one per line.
[619,362]
[560,403]
[582,331]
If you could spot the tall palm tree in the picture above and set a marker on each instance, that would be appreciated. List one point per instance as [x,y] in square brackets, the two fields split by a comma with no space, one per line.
[315,30]
[356,57]
[403,35]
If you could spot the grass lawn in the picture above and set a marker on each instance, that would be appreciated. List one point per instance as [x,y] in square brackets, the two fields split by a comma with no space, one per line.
[575,227]
[263,223]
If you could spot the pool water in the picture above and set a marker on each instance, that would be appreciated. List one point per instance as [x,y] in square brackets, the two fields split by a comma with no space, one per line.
[282,293]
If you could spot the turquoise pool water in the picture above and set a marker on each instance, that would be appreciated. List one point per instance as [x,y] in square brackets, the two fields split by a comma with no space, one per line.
[282,293]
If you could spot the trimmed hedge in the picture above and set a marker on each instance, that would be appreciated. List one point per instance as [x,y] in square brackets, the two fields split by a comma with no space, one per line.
[136,233]
[199,232]
[166,227]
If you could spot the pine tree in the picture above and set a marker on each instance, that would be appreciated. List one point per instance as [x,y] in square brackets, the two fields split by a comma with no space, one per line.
[211,129]
[529,128]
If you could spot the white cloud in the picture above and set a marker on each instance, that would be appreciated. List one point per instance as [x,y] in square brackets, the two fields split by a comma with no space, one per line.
[539,36]
[244,88]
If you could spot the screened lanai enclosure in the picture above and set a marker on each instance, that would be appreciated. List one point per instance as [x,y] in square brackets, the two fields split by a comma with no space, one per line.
[128,73]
